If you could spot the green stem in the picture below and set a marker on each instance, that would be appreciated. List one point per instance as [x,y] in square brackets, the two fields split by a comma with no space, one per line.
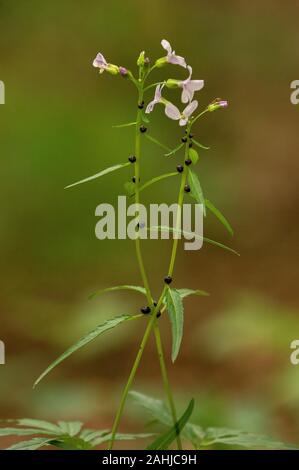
[179,213]
[166,381]
[152,323]
[130,380]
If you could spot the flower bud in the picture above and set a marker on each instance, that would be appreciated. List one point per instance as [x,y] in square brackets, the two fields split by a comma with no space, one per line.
[217,104]
[141,59]
[161,62]
[123,71]
[172,83]
[113,69]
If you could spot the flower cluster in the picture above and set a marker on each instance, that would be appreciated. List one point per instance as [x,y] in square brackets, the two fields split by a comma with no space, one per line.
[188,86]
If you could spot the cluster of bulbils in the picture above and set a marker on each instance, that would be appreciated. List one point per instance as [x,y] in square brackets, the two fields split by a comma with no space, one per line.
[188,86]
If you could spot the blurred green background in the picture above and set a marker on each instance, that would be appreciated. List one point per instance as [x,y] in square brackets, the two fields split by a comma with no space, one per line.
[56,128]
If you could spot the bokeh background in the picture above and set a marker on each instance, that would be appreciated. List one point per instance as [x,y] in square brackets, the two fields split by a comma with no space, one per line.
[56,128]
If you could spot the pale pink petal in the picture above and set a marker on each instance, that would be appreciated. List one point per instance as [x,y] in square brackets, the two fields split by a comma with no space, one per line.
[196,85]
[190,72]
[158,92]
[185,95]
[100,61]
[183,121]
[176,60]
[172,111]
[190,108]
[150,106]
[166,45]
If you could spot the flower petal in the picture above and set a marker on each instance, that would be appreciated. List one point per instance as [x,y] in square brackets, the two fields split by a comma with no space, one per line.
[196,85]
[100,61]
[190,108]
[186,95]
[166,45]
[172,111]
[150,106]
[183,122]
[177,60]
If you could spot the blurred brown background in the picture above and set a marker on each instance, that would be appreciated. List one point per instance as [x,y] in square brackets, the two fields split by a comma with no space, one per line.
[56,127]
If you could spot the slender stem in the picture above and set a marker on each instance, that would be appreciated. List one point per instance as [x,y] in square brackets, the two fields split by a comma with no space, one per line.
[178,219]
[130,380]
[152,322]
[166,381]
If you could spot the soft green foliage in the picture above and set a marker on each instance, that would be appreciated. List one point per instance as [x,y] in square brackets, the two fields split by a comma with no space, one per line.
[64,435]
[175,309]
[164,441]
[219,216]
[99,330]
[186,292]
[139,289]
[210,437]
[98,175]
[193,155]
[156,180]
[189,235]
[157,142]
[196,190]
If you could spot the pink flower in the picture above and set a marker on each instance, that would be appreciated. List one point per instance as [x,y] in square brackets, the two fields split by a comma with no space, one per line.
[189,87]
[100,62]
[157,99]
[171,57]
[174,113]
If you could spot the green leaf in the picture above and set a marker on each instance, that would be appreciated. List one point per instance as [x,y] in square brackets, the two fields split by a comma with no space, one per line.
[99,330]
[37,423]
[193,155]
[120,437]
[200,145]
[21,431]
[156,179]
[101,173]
[157,142]
[186,292]
[71,428]
[159,412]
[219,216]
[188,235]
[70,443]
[196,189]
[128,124]
[33,444]
[175,150]
[164,441]
[237,438]
[175,309]
[116,288]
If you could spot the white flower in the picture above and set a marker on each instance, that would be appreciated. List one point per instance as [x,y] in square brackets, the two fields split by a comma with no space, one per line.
[189,87]
[171,57]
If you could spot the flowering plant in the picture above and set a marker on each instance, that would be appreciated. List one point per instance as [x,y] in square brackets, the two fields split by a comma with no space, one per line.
[71,435]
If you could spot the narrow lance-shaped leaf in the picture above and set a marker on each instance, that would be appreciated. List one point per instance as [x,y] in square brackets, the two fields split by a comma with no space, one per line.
[108,325]
[157,142]
[200,145]
[98,175]
[126,124]
[196,189]
[156,180]
[186,292]
[175,309]
[139,289]
[189,236]
[219,216]
[175,150]
[164,441]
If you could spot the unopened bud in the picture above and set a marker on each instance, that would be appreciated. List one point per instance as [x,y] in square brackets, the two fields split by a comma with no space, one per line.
[113,69]
[217,104]
[172,83]
[141,59]
[161,62]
